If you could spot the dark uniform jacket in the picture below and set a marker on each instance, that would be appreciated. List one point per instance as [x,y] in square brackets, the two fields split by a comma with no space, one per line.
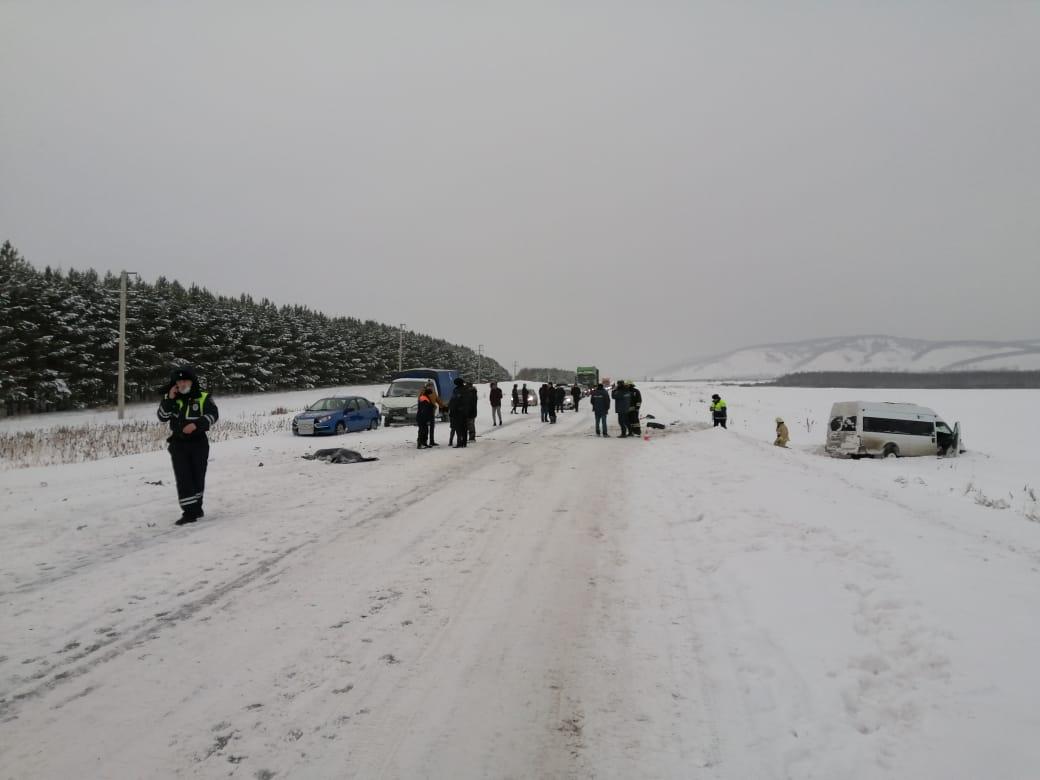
[458,406]
[600,399]
[622,399]
[196,407]
[495,396]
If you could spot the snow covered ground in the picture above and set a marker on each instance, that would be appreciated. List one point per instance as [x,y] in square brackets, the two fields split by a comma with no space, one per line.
[545,604]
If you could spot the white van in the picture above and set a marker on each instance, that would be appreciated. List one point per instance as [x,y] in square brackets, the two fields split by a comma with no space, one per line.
[869,428]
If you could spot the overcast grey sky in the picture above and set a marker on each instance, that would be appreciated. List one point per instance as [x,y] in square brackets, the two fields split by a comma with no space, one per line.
[620,184]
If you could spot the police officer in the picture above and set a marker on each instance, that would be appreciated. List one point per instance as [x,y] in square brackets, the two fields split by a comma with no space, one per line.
[190,412]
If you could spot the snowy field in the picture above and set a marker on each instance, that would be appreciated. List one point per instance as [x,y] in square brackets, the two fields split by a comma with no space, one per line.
[548,603]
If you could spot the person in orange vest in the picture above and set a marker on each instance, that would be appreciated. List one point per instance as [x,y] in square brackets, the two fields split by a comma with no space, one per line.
[424,417]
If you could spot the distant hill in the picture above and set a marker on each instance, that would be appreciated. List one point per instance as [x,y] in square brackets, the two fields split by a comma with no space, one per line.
[860,353]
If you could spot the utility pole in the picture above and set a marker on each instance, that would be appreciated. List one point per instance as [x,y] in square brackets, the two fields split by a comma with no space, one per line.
[400,347]
[480,357]
[121,379]
[514,370]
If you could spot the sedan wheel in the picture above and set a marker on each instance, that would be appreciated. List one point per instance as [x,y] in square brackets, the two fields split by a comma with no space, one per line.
[340,427]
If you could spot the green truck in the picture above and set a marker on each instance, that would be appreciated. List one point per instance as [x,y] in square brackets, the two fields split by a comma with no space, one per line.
[587,376]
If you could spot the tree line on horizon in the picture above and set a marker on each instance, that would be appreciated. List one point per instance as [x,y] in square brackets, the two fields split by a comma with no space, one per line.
[59,339]
[925,380]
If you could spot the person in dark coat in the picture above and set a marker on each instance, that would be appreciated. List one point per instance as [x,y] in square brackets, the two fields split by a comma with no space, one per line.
[576,395]
[495,397]
[471,421]
[543,401]
[524,400]
[516,399]
[560,394]
[190,413]
[600,400]
[635,400]
[424,417]
[550,403]
[622,402]
[458,413]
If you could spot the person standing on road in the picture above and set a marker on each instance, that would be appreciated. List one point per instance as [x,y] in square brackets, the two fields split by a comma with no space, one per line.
[550,403]
[718,410]
[600,400]
[471,423]
[438,407]
[576,395]
[190,412]
[523,398]
[516,399]
[782,434]
[622,401]
[558,396]
[635,400]
[458,413]
[495,396]
[424,417]
[543,401]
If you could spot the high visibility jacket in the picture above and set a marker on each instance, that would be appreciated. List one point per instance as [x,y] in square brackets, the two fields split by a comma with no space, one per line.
[195,407]
[718,410]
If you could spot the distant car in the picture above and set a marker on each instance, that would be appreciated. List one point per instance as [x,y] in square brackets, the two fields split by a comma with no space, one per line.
[568,401]
[532,397]
[339,414]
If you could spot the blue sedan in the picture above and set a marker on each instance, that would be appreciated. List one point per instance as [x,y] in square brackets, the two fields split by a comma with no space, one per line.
[339,414]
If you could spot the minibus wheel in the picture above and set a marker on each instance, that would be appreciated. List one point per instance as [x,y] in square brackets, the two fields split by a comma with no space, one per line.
[890,451]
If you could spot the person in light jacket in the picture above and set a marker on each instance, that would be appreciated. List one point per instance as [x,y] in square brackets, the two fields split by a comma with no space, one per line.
[782,436]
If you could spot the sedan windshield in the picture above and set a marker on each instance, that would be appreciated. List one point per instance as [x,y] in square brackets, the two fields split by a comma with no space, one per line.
[326,405]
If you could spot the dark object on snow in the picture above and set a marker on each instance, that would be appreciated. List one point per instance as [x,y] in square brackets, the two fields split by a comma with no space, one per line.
[656,425]
[339,455]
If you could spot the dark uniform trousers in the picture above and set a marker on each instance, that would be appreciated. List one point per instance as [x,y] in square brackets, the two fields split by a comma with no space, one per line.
[190,458]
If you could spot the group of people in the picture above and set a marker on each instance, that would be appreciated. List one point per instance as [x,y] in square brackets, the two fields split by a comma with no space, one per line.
[719,415]
[190,411]
[461,409]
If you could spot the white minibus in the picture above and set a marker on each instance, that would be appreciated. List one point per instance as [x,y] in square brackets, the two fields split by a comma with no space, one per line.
[870,428]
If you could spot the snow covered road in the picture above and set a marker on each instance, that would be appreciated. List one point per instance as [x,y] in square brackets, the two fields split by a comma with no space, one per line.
[544,603]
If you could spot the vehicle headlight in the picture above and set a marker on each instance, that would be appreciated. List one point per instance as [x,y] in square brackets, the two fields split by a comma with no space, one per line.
[383,409]
[326,418]
[413,408]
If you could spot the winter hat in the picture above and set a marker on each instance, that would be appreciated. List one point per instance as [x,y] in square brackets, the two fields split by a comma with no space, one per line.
[183,372]
[459,381]
[716,396]
[779,419]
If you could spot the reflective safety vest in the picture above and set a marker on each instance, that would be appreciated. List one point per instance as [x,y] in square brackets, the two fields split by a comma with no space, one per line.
[195,408]
[718,408]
